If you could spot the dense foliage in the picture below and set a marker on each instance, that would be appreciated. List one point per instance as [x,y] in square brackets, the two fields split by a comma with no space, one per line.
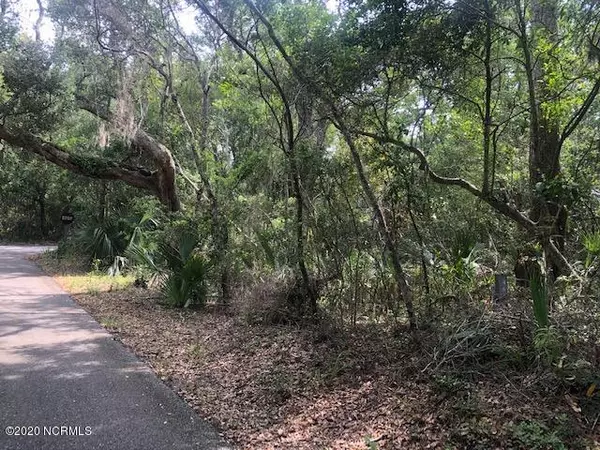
[390,161]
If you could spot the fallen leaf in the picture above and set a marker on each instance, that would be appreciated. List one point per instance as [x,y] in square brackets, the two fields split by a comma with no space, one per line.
[574,406]
[591,390]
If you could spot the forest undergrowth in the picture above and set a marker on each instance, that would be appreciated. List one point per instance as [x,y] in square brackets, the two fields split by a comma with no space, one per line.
[480,379]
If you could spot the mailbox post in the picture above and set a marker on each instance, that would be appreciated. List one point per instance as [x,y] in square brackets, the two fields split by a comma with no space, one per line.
[67,218]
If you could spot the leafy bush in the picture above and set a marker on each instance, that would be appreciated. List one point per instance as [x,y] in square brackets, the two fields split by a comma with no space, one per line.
[591,243]
[548,344]
[185,285]
[105,243]
[181,269]
[102,240]
[459,272]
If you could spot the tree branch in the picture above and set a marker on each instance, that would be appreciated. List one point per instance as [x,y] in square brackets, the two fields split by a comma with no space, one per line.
[161,156]
[581,112]
[87,166]
[501,207]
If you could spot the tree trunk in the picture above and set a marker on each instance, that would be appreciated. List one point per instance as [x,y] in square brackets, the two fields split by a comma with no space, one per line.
[42,204]
[545,142]
[219,225]
[388,239]
[308,287]
[102,205]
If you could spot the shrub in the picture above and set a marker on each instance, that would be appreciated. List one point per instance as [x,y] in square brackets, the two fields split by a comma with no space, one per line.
[185,283]
[266,300]
[104,243]
[548,344]
[535,435]
[591,243]
[179,267]
[101,240]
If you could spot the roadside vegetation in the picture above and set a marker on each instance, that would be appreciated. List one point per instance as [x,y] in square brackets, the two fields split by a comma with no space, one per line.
[365,224]
[77,277]
[472,383]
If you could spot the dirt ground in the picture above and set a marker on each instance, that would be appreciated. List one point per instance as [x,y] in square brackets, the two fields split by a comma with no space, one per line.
[282,387]
[319,387]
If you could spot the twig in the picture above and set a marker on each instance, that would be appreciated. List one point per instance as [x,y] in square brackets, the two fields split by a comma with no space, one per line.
[595,422]
[516,389]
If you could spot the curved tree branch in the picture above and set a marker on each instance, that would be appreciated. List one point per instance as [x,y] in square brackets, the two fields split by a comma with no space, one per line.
[166,169]
[503,208]
[161,182]
[581,112]
[87,166]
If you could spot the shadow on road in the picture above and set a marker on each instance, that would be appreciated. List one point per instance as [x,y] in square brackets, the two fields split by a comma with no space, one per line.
[58,368]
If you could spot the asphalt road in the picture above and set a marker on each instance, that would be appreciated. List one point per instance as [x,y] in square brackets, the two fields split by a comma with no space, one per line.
[66,384]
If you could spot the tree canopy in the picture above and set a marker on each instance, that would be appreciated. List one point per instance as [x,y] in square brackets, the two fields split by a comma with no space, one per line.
[308,136]
[408,163]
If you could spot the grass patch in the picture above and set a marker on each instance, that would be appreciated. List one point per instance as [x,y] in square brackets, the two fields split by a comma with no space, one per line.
[535,435]
[111,323]
[93,283]
[74,276]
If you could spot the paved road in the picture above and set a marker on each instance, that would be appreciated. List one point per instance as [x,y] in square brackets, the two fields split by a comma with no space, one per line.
[63,376]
